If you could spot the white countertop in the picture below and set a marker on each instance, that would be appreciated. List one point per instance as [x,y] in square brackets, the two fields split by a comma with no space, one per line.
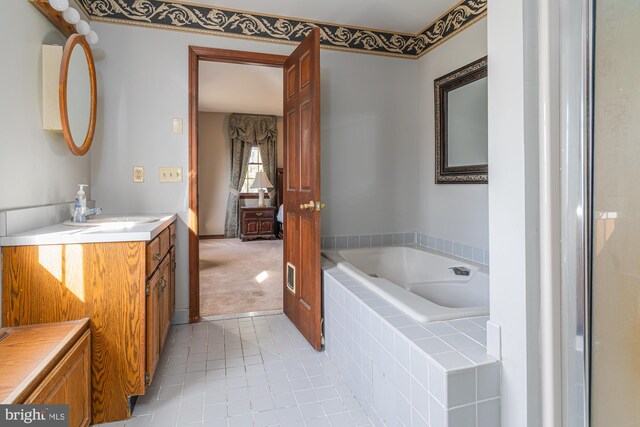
[58,234]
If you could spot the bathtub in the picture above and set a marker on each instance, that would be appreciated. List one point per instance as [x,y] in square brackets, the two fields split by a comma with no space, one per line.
[418,282]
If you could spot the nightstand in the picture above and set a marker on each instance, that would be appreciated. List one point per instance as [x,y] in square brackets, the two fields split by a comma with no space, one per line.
[257,223]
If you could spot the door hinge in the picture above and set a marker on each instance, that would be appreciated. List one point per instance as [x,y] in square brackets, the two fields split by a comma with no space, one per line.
[147,378]
[147,289]
[322,330]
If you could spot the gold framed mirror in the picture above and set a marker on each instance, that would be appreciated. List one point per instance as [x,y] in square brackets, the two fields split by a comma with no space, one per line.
[78,95]
[461,123]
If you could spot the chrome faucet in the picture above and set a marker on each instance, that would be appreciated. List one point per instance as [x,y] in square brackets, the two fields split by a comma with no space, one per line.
[81,215]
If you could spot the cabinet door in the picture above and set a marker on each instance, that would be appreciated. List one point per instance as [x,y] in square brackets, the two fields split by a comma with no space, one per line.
[153,325]
[251,226]
[70,383]
[165,299]
[266,226]
[172,285]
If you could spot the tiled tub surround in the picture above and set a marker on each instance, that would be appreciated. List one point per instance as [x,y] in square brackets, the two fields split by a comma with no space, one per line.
[471,253]
[406,373]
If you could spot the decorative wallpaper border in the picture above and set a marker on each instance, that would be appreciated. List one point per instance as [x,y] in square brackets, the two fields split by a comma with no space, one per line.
[177,15]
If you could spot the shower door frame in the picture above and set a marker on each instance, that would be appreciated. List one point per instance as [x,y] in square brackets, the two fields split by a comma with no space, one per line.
[575,99]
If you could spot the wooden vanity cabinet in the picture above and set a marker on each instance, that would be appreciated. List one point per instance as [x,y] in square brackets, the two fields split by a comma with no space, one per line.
[49,364]
[126,289]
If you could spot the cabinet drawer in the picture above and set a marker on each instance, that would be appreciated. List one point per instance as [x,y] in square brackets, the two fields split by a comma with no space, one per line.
[260,214]
[164,242]
[156,250]
[154,255]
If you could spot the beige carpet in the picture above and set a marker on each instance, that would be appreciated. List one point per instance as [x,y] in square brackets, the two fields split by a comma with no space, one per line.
[240,277]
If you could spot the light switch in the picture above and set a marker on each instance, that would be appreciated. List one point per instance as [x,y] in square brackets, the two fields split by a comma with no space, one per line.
[177,125]
[170,174]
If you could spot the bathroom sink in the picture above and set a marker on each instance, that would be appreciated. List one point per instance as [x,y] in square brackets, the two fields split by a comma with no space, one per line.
[113,221]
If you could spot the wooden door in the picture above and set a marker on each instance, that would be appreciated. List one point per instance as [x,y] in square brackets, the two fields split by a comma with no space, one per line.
[302,299]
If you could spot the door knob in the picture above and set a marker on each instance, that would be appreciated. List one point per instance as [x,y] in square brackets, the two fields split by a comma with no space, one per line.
[310,206]
[313,206]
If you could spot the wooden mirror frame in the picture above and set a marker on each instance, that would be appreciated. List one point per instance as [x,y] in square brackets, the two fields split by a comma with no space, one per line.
[77,39]
[467,174]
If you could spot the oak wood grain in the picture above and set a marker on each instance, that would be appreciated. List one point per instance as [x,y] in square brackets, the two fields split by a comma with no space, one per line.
[153,325]
[29,353]
[73,41]
[103,282]
[69,383]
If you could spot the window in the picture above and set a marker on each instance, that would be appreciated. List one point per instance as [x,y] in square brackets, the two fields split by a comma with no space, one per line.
[254,166]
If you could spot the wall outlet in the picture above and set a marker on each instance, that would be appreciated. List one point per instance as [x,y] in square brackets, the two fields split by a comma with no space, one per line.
[138,174]
[170,174]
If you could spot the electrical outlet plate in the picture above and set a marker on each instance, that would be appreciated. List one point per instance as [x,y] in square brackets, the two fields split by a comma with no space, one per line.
[177,125]
[170,174]
[138,174]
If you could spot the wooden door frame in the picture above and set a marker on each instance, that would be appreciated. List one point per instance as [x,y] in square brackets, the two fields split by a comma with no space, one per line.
[210,54]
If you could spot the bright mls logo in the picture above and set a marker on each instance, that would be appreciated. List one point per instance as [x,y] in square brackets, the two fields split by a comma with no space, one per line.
[34,415]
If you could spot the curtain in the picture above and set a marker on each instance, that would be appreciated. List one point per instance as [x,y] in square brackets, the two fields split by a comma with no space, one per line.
[246,131]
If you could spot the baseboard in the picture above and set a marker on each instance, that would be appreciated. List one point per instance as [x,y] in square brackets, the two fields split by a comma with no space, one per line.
[211,236]
[180,316]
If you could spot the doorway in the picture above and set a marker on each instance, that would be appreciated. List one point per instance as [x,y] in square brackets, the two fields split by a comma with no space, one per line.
[301,204]
[224,277]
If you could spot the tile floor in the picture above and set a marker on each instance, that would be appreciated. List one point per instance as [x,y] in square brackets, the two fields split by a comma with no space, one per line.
[252,371]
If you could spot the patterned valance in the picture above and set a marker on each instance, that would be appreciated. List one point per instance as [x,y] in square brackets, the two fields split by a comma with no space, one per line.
[215,20]
[253,129]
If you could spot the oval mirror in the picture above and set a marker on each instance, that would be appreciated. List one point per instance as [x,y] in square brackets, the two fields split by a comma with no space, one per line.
[78,95]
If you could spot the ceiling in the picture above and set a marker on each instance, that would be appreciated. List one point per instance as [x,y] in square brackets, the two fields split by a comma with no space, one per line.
[235,88]
[406,16]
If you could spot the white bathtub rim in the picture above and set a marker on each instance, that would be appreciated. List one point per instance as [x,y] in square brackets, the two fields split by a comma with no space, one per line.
[407,302]
[333,255]
[403,299]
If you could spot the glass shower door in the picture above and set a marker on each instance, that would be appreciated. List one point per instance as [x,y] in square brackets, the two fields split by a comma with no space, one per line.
[615,287]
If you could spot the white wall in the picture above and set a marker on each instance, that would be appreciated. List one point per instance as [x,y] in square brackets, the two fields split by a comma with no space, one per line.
[36,168]
[456,212]
[369,127]
[513,205]
[214,165]
[369,122]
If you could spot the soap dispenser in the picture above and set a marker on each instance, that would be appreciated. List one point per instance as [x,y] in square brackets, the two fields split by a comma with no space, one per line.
[80,206]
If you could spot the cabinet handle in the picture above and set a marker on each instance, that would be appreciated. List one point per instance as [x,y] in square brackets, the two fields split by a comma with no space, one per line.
[162,282]
[156,256]
[258,213]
